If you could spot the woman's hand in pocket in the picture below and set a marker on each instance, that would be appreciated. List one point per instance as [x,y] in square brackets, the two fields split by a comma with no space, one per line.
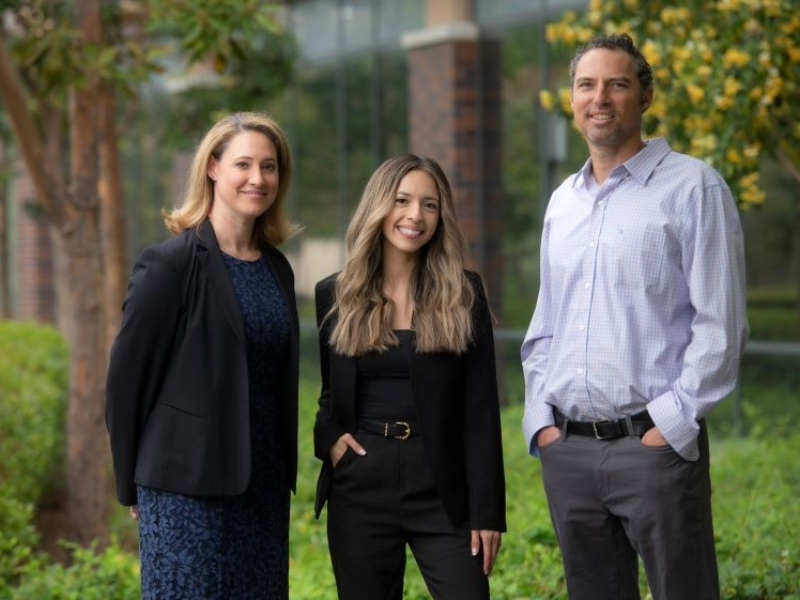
[342,444]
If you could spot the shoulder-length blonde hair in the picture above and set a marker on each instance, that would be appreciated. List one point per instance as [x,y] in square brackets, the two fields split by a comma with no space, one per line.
[273,227]
[443,295]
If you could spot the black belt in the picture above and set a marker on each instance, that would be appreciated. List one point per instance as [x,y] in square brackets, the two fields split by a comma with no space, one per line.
[636,425]
[399,430]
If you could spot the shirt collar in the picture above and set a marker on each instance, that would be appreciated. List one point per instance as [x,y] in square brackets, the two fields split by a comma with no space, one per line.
[640,166]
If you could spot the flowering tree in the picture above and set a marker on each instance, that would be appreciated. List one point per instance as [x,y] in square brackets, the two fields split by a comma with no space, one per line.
[727,78]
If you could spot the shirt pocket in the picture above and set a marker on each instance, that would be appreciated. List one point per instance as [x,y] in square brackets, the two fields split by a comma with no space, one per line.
[634,256]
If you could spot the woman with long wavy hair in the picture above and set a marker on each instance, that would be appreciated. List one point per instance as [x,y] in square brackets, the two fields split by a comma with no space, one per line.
[408,426]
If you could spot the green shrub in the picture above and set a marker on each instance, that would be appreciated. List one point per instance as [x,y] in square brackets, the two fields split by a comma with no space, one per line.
[111,574]
[33,391]
[33,388]
[18,537]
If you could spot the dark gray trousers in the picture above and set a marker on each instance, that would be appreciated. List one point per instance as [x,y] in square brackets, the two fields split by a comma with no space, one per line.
[613,500]
[381,502]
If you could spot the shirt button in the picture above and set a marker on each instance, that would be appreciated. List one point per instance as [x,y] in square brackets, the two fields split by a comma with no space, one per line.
[601,203]
[587,285]
[579,371]
[582,327]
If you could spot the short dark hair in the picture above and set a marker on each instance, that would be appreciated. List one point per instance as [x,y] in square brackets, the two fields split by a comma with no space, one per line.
[623,42]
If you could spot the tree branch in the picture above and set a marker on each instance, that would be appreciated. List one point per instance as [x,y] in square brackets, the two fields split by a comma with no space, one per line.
[15,100]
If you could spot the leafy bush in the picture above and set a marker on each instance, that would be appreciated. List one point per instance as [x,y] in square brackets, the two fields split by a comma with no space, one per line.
[111,574]
[18,537]
[33,388]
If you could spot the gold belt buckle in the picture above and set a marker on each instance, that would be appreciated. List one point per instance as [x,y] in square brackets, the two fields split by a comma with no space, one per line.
[405,435]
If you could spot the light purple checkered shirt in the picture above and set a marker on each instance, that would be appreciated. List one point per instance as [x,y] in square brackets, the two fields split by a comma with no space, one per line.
[642,298]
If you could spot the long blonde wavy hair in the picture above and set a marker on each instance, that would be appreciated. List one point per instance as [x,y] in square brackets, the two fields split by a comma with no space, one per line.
[273,227]
[442,294]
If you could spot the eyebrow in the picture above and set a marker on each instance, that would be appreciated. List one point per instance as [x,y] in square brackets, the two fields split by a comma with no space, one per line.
[401,193]
[624,78]
[248,157]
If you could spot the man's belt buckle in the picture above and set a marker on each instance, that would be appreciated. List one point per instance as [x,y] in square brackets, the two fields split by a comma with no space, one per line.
[597,434]
[404,436]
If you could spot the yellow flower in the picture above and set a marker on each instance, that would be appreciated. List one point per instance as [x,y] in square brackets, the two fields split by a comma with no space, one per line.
[696,93]
[791,26]
[733,156]
[735,58]
[732,86]
[705,72]
[752,194]
[794,54]
[729,5]
[752,151]
[753,27]
[723,102]
[596,5]
[652,52]
[565,99]
[773,8]
[669,16]
[681,53]
[546,100]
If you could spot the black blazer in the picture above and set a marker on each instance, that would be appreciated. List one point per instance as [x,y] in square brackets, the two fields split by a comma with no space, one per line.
[177,401]
[457,407]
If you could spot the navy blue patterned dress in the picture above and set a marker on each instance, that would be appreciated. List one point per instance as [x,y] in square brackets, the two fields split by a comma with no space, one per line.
[231,548]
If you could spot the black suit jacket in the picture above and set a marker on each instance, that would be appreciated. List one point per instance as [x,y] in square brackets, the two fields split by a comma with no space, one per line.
[457,407]
[177,400]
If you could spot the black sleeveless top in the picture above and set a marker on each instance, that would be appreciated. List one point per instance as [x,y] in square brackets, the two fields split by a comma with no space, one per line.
[384,382]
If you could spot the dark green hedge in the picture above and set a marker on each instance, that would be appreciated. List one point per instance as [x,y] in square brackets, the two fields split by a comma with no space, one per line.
[33,392]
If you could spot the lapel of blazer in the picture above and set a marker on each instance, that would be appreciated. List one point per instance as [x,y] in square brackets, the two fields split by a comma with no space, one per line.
[210,258]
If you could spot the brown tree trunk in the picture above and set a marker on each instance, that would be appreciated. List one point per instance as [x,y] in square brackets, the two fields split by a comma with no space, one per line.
[112,215]
[88,456]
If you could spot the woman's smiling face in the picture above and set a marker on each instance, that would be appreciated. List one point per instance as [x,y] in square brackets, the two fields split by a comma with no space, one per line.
[415,215]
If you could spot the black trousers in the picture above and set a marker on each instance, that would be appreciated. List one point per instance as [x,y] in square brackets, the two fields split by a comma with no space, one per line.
[614,501]
[382,501]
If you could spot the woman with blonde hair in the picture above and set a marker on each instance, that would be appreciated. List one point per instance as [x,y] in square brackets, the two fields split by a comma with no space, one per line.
[408,426]
[202,385]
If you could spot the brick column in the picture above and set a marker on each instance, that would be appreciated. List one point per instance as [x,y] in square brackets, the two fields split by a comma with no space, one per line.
[32,256]
[455,118]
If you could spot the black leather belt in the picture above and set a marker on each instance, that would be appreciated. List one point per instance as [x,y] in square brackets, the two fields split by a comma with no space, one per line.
[399,430]
[636,425]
